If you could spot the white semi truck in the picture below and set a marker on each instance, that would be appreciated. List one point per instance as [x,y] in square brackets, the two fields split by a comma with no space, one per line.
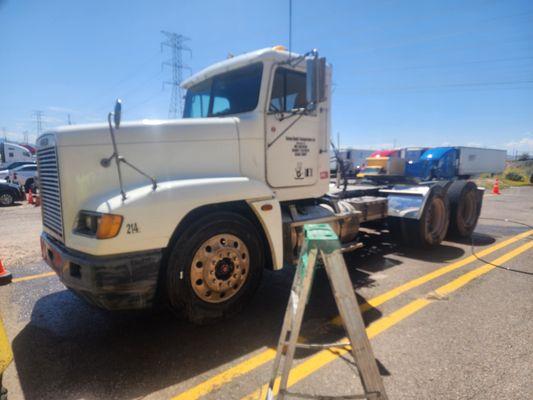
[191,211]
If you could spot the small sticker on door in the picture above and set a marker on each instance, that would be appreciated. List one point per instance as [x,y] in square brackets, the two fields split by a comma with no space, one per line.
[299,171]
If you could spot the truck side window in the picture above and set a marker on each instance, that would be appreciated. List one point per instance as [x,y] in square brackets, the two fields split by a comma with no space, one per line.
[288,91]
[199,100]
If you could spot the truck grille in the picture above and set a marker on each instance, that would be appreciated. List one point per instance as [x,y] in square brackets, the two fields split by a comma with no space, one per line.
[50,189]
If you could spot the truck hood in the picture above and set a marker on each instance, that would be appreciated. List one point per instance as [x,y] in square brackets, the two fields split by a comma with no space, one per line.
[144,131]
[166,150]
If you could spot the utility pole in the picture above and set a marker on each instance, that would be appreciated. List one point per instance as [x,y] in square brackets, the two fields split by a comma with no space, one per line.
[38,114]
[176,44]
[69,121]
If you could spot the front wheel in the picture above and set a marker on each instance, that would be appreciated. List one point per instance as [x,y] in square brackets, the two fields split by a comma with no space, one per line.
[215,267]
[6,199]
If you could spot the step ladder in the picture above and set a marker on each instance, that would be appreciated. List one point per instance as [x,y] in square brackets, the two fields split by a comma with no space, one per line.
[320,240]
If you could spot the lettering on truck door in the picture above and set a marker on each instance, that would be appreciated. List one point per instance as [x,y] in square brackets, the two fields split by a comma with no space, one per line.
[291,136]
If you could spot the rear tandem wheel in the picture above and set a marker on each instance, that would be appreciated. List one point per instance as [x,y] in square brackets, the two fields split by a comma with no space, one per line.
[432,226]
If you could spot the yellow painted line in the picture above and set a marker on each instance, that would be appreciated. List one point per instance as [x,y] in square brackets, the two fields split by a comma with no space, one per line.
[32,277]
[256,361]
[6,355]
[324,357]
[226,376]
[391,294]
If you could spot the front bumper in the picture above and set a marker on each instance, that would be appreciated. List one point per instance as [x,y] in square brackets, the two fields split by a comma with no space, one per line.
[118,282]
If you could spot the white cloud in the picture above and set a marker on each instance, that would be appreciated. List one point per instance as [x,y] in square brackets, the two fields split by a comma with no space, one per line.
[524,144]
[61,109]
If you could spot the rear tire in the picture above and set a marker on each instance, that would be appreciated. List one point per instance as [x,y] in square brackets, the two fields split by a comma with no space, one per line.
[215,267]
[432,226]
[464,208]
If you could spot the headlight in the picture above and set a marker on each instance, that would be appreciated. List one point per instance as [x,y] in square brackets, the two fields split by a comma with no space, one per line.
[99,225]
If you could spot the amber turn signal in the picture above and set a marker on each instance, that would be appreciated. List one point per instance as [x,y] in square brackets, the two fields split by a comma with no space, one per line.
[108,226]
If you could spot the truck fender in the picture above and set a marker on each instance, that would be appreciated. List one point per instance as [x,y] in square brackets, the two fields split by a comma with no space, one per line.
[150,217]
[268,212]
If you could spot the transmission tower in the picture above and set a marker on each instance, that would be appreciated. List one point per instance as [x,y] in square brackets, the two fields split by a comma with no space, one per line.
[176,44]
[38,114]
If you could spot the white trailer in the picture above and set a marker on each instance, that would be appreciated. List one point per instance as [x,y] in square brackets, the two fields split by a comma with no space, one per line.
[191,211]
[475,161]
[354,159]
[11,152]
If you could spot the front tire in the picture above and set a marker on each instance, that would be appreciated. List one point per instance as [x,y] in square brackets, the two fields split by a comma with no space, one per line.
[6,199]
[215,267]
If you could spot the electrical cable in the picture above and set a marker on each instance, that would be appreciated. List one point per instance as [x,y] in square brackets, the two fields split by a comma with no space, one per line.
[519,271]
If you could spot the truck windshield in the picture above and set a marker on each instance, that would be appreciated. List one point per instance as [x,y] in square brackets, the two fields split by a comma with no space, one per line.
[225,94]
[372,170]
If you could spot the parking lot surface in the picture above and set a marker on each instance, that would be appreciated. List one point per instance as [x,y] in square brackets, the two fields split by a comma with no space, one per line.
[443,324]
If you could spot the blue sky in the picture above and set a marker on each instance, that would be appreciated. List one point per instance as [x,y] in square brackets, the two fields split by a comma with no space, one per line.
[405,72]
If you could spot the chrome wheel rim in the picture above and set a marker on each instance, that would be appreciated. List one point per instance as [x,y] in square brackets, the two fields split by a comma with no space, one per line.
[219,268]
[6,199]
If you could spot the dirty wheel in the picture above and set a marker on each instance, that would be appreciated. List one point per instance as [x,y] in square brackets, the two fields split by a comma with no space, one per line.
[464,208]
[220,268]
[6,199]
[215,267]
[432,226]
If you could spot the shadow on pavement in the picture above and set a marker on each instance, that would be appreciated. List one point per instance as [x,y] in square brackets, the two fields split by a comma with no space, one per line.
[70,350]
[477,239]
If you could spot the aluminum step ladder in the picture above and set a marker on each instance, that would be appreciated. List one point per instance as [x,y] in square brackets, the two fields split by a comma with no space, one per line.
[320,240]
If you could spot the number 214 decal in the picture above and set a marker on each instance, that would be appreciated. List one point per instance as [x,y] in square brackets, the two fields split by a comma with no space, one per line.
[132,228]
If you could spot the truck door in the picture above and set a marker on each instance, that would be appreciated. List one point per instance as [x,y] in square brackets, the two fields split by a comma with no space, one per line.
[292,137]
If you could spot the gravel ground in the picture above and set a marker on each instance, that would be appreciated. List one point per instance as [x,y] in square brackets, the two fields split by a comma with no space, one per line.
[20,227]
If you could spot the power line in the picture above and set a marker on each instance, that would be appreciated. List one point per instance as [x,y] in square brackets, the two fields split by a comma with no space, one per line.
[176,44]
[290,28]
[112,89]
[458,85]
[444,65]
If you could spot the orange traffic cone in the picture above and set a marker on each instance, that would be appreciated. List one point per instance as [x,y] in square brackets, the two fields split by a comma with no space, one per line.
[496,187]
[30,197]
[5,275]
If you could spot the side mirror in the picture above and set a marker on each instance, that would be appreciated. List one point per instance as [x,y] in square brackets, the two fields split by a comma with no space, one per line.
[118,113]
[316,81]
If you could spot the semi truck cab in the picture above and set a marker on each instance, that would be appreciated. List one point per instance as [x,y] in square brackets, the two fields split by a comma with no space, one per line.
[190,212]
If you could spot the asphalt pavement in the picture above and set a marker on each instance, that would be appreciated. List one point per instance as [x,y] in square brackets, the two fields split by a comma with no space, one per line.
[443,325]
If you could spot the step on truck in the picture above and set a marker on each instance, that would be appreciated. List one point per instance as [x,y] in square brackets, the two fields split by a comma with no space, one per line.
[189,212]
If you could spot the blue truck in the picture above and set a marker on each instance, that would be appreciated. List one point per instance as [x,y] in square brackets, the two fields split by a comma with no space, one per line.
[455,163]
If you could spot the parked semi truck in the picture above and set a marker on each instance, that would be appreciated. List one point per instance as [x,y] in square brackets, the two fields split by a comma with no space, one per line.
[384,162]
[190,211]
[11,152]
[353,160]
[451,162]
